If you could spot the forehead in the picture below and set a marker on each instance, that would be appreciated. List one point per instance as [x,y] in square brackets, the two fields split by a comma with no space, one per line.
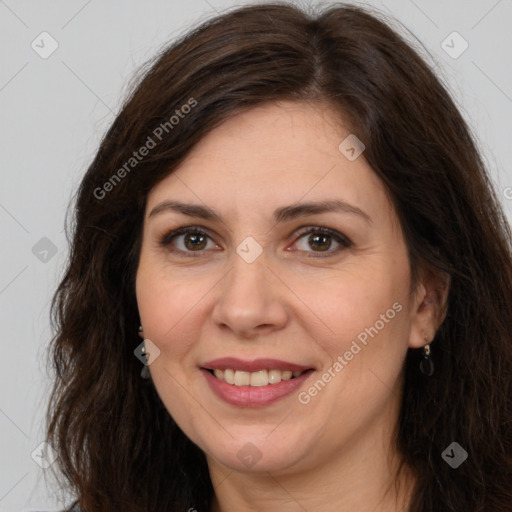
[283,152]
[281,132]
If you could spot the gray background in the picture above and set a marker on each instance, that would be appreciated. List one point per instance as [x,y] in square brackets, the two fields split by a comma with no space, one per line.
[54,111]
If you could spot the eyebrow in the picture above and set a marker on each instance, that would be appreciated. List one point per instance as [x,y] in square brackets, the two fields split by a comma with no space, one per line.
[282,214]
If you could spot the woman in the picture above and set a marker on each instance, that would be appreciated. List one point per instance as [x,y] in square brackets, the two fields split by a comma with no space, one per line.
[292,215]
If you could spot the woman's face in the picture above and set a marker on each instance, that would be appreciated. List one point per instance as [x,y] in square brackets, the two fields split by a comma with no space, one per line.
[293,261]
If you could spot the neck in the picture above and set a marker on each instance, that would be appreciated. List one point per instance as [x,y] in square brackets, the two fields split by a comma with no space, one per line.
[268,492]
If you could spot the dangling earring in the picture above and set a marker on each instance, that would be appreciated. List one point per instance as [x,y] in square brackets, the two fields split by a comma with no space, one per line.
[145,374]
[426,364]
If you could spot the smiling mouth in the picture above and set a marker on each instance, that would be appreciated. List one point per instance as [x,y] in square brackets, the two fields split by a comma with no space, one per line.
[255,379]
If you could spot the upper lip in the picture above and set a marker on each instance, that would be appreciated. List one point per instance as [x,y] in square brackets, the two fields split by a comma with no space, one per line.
[253,366]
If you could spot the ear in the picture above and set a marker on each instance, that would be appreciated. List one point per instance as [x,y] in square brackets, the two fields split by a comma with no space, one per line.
[429,306]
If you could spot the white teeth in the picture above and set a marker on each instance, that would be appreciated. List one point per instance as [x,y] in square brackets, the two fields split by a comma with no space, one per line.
[259,378]
[255,379]
[229,376]
[286,375]
[274,376]
[242,378]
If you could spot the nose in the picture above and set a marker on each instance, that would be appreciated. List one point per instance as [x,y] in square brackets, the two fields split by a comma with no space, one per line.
[250,300]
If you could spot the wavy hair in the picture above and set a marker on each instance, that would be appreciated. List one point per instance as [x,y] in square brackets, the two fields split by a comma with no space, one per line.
[118,447]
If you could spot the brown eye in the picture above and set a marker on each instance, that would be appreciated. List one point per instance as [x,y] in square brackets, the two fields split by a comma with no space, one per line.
[195,241]
[187,240]
[322,240]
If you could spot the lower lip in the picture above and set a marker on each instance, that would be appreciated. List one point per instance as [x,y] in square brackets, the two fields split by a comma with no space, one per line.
[254,396]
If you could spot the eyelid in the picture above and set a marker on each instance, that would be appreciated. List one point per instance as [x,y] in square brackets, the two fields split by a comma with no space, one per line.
[166,239]
[341,239]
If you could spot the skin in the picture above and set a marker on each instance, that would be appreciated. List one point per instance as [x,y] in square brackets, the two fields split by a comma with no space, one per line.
[295,302]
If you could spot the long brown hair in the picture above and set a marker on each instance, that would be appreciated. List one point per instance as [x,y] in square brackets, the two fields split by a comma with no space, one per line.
[119,448]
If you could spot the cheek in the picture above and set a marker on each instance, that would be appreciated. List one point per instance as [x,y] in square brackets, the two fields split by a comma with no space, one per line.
[167,312]
[366,350]
[166,307]
[364,307]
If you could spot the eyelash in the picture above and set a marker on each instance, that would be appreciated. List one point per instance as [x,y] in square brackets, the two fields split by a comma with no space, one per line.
[344,242]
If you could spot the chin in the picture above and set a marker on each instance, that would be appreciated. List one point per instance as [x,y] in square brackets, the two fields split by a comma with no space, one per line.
[256,452]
